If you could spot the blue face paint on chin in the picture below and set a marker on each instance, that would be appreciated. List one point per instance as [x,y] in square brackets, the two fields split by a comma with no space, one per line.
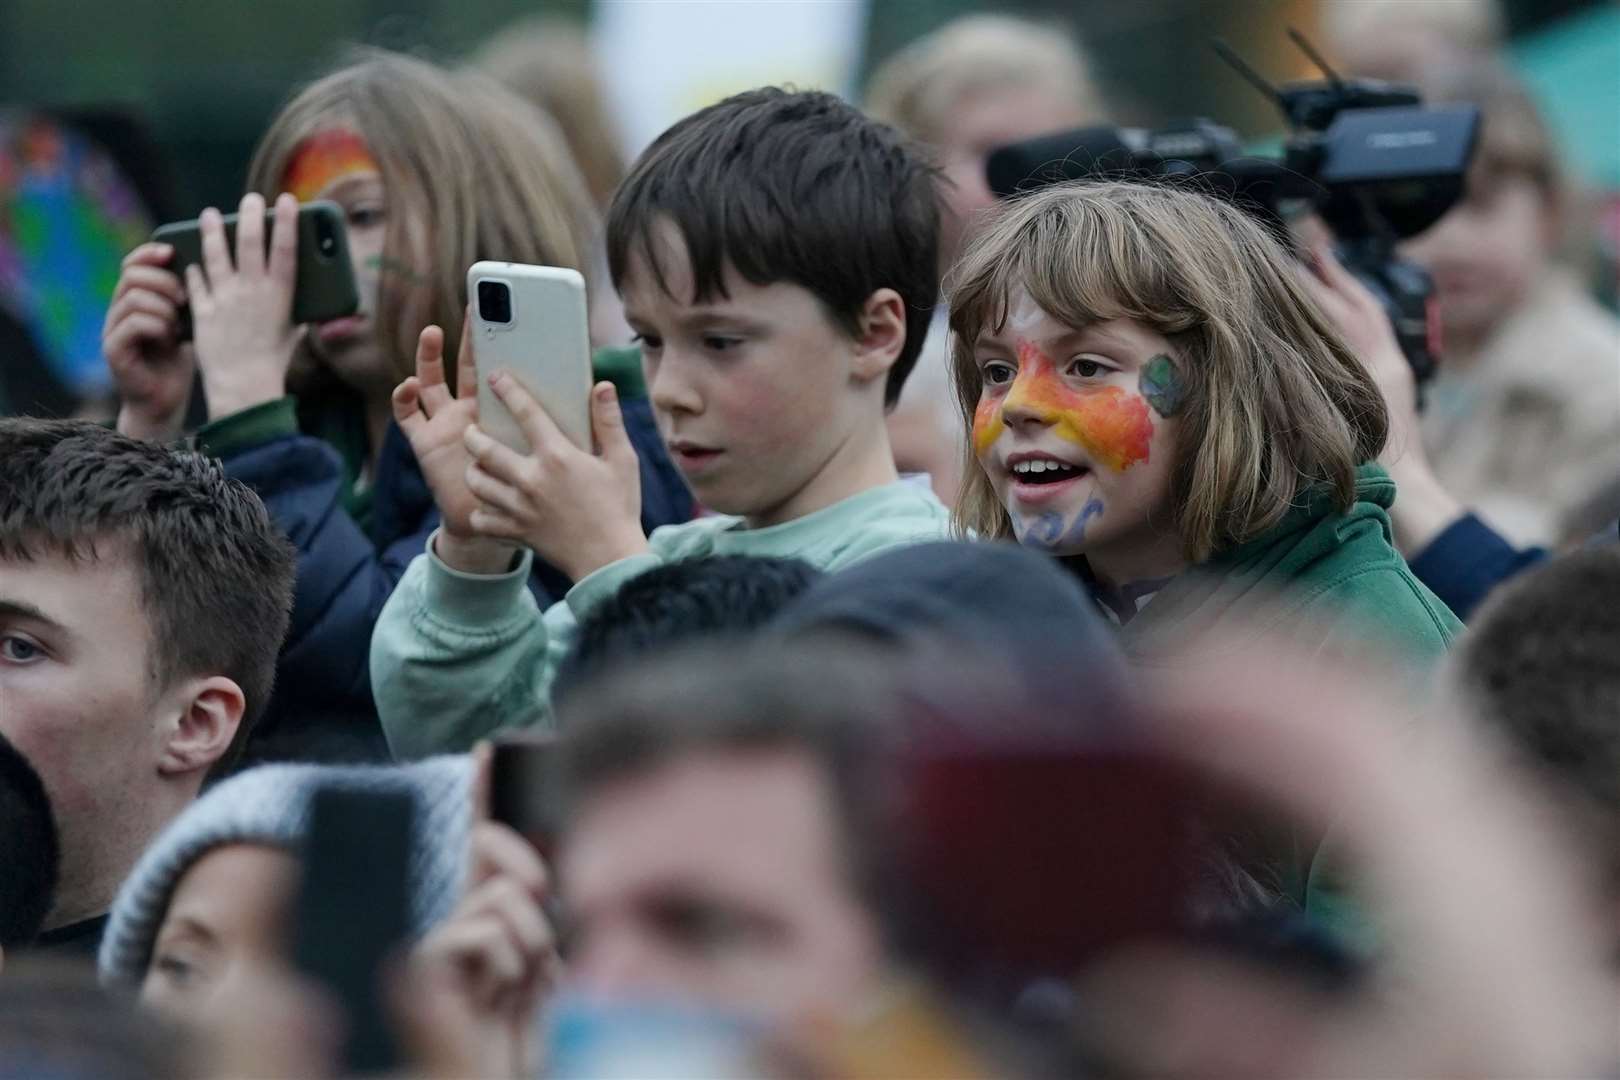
[1049,531]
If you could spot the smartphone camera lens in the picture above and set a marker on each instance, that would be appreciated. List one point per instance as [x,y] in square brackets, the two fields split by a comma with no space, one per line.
[494,302]
[325,238]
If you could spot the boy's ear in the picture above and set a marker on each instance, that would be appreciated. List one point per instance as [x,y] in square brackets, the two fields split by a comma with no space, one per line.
[206,715]
[882,335]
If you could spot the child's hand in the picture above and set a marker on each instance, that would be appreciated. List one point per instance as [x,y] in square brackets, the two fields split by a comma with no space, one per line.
[478,979]
[242,313]
[577,510]
[140,340]
[435,419]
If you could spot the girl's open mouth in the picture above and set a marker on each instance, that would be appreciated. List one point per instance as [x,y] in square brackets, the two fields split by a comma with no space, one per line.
[1041,471]
[1037,480]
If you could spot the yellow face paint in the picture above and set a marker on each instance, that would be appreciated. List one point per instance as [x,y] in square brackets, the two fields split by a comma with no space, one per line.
[1113,426]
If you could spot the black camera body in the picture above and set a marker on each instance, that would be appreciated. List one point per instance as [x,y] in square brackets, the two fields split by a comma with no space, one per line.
[1365,155]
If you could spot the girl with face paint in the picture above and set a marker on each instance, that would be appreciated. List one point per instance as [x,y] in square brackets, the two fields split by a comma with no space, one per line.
[303,414]
[1154,398]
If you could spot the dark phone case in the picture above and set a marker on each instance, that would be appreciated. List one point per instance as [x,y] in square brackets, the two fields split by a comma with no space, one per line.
[325,286]
[353,910]
[524,789]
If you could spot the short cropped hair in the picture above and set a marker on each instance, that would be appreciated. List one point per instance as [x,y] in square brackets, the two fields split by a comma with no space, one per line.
[216,575]
[1276,401]
[680,602]
[1541,665]
[796,187]
[836,703]
[28,849]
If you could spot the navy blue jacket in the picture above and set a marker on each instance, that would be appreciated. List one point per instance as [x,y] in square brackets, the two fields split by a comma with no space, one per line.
[322,707]
[1465,562]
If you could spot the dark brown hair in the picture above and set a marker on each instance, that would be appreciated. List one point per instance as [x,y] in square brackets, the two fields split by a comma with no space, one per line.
[216,575]
[1541,665]
[798,187]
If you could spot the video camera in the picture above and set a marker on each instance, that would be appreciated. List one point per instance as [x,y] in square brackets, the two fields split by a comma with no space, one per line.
[1366,155]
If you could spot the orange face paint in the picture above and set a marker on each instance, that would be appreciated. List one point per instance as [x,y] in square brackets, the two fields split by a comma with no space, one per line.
[1113,426]
[324,157]
[987,425]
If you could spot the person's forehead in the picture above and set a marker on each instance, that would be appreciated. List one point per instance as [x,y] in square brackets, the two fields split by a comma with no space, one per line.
[234,885]
[660,252]
[751,820]
[1027,320]
[95,589]
[675,303]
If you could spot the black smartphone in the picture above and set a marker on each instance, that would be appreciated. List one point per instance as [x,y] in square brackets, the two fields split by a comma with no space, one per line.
[353,911]
[524,788]
[325,286]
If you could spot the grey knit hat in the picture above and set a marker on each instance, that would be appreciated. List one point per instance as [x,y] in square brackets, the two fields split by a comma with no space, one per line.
[270,805]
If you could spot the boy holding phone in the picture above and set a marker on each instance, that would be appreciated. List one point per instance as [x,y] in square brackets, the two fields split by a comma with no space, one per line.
[774,335]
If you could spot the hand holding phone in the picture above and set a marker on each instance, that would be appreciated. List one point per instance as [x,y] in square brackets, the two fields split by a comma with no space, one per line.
[322,273]
[141,340]
[244,308]
[478,978]
[579,510]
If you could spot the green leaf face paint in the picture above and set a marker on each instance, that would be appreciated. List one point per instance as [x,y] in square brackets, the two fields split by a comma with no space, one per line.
[1161,386]
[384,265]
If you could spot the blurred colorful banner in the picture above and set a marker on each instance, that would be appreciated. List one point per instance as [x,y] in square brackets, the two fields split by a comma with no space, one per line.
[67,217]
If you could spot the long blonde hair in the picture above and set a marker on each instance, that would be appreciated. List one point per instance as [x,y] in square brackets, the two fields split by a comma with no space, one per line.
[470,169]
[1276,402]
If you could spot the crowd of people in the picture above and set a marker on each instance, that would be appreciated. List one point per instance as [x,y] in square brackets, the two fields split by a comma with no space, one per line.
[1040,637]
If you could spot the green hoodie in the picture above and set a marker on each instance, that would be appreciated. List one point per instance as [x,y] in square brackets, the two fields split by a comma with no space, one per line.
[1319,576]
[1325,580]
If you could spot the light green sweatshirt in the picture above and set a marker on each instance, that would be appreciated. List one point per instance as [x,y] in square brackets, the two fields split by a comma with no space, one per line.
[456,657]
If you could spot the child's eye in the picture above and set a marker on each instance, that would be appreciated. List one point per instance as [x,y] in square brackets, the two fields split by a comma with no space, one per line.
[720,343]
[366,217]
[648,342]
[19,650]
[1087,369]
[998,373]
[177,970]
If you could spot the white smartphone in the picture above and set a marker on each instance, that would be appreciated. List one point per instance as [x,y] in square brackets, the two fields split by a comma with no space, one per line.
[531,321]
